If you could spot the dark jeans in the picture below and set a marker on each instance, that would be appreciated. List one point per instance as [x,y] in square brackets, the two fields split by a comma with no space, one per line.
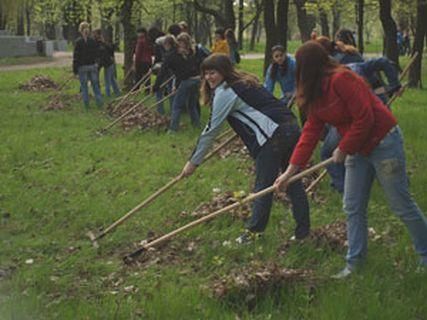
[275,155]
[141,69]
[187,92]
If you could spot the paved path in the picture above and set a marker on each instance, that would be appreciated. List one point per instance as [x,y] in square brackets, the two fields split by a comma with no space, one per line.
[63,59]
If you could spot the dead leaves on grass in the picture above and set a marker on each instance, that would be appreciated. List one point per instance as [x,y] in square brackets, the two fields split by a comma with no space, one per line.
[142,117]
[39,83]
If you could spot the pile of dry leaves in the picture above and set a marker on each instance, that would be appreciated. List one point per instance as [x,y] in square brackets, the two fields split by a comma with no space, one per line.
[142,117]
[39,83]
[221,200]
[256,279]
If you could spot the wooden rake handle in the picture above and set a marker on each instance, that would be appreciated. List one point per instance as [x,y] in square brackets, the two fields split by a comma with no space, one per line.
[144,203]
[212,215]
[127,95]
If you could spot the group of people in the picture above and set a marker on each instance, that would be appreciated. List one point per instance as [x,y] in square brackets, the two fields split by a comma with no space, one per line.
[342,101]
[91,54]
[331,96]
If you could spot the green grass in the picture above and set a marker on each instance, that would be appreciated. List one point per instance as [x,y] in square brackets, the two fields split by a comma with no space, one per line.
[10,61]
[60,180]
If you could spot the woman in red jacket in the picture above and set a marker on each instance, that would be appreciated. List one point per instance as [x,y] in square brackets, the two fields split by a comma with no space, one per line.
[371,146]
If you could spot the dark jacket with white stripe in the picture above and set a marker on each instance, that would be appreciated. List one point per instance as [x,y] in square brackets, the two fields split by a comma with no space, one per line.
[253,112]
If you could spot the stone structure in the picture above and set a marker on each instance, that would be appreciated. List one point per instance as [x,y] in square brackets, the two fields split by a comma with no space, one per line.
[18,46]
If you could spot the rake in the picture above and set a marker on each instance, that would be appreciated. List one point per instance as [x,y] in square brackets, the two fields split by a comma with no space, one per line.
[130,257]
[151,198]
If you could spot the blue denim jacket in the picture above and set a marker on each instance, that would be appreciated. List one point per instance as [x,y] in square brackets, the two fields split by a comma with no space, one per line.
[287,81]
[370,69]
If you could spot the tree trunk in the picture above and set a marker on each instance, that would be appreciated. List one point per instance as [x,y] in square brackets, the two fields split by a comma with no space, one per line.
[336,21]
[49,30]
[28,19]
[229,14]
[306,22]
[282,21]
[240,36]
[418,45]
[223,19]
[270,31]
[359,20]
[129,38]
[20,24]
[324,24]
[117,36]
[390,31]
[254,34]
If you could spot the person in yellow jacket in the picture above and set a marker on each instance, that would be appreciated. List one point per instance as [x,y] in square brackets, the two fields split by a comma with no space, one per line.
[220,45]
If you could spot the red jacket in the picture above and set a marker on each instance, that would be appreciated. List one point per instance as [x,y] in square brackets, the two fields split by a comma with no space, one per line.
[143,51]
[348,104]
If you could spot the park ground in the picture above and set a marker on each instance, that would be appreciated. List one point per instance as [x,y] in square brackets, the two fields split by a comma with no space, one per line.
[59,180]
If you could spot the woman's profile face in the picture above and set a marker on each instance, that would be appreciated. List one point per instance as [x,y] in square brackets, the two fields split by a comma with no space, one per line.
[85,32]
[213,78]
[278,57]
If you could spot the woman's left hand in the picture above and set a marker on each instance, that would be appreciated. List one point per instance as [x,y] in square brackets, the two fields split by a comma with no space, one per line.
[338,156]
[188,169]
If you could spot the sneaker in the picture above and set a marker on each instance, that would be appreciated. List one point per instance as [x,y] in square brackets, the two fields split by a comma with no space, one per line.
[248,237]
[344,273]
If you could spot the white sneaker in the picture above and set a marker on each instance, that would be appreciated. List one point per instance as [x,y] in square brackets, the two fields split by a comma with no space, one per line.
[344,273]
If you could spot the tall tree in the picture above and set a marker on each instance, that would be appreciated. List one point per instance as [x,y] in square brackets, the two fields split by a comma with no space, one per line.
[324,23]
[360,9]
[256,24]
[336,17]
[241,23]
[306,21]
[390,31]
[223,14]
[129,37]
[276,26]
[420,37]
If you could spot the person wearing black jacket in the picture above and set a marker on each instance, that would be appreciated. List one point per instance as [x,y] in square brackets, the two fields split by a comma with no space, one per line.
[106,61]
[85,57]
[184,65]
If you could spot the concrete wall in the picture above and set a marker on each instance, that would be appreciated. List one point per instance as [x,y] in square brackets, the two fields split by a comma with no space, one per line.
[15,46]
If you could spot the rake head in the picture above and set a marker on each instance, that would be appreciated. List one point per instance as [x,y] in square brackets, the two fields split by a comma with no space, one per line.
[93,238]
[130,258]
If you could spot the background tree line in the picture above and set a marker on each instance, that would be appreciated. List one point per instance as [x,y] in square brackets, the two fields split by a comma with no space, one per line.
[267,21]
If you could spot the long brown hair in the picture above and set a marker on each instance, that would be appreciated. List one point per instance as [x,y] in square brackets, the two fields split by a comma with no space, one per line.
[313,64]
[334,46]
[222,64]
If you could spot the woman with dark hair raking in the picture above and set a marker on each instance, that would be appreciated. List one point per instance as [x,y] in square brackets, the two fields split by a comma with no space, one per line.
[268,130]
[281,70]
[371,146]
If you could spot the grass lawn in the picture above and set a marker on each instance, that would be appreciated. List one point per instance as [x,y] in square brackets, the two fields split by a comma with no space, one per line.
[10,61]
[60,180]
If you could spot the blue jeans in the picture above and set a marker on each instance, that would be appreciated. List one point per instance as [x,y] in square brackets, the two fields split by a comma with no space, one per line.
[110,81]
[386,163]
[186,92]
[336,170]
[159,96]
[273,156]
[89,73]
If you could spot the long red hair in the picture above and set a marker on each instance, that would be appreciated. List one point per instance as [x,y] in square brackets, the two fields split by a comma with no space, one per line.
[313,65]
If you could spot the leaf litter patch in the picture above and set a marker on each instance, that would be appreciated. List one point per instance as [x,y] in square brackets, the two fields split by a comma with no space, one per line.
[168,253]
[257,279]
[219,201]
[142,117]
[332,235]
[39,83]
